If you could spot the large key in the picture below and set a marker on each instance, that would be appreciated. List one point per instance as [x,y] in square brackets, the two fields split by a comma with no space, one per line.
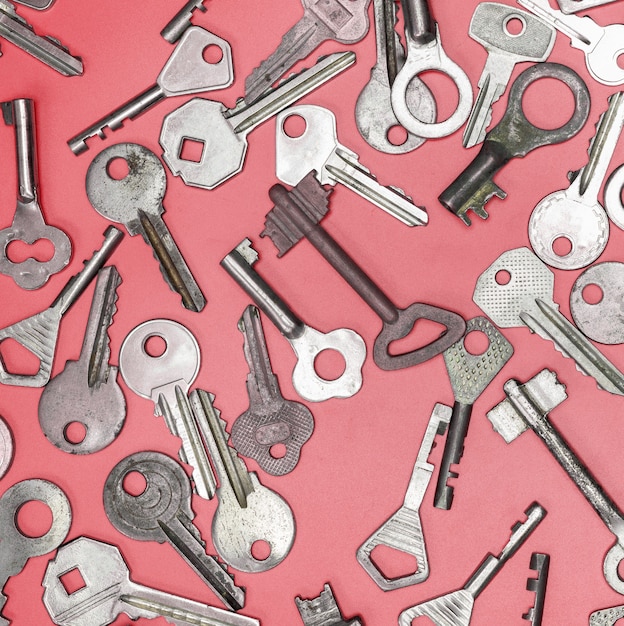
[136,202]
[86,393]
[323,610]
[490,27]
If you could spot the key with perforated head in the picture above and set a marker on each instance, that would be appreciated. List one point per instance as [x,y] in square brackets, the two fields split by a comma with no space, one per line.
[323,610]
[181,21]
[607,617]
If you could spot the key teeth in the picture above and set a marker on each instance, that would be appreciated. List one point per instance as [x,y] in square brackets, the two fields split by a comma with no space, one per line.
[249,253]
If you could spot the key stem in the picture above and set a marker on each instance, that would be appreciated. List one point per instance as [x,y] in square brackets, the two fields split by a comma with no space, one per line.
[20,114]
[419,21]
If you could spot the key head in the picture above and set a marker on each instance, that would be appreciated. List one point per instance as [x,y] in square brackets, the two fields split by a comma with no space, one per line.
[453,609]
[347,20]
[6,447]
[602,60]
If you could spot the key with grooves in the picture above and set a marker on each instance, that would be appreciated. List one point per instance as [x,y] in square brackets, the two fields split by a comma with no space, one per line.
[323,610]
[540,563]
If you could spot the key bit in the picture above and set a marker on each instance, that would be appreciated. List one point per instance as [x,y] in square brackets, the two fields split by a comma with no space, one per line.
[540,563]
[323,610]
[181,21]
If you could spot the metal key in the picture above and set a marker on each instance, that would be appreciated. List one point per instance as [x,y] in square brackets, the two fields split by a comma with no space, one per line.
[490,27]
[575,213]
[318,149]
[540,563]
[455,608]
[38,333]
[39,5]
[306,342]
[403,531]
[186,72]
[29,224]
[6,447]
[108,592]
[613,196]
[573,6]
[323,610]
[601,45]
[223,132]
[271,420]
[136,202]
[607,617]
[296,215]
[163,513]
[86,392]
[181,21]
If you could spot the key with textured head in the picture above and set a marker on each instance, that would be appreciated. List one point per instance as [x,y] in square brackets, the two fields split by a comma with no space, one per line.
[181,21]
[573,6]
[323,610]
[86,392]
[607,617]
[455,608]
[540,563]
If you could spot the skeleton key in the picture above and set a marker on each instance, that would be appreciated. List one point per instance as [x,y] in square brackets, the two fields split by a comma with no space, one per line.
[163,513]
[573,6]
[223,132]
[323,610]
[28,224]
[296,215]
[540,563]
[270,420]
[136,202]
[181,21]
[186,72]
[318,149]
[403,531]
[86,392]
[455,608]
[490,27]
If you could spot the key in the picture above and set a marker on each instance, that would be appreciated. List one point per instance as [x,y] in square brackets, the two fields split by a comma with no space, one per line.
[181,21]
[108,592]
[513,137]
[306,342]
[455,608]
[39,5]
[469,375]
[601,45]
[222,133]
[136,202]
[343,21]
[318,149]
[606,617]
[613,196]
[575,213]
[38,333]
[28,222]
[573,6]
[6,447]
[185,72]
[323,610]
[540,563]
[296,215]
[270,420]
[403,530]
[163,513]
[489,27]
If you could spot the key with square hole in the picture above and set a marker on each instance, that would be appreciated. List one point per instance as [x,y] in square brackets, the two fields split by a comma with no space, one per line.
[86,392]
[296,215]
[323,610]
[317,148]
[181,21]
[403,531]
[540,563]
[490,27]
[573,6]
[186,72]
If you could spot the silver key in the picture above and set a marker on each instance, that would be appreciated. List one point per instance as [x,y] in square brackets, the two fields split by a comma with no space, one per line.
[607,617]
[489,27]
[613,197]
[223,132]
[318,149]
[323,610]
[186,72]
[6,447]
[539,563]
[181,21]
[573,6]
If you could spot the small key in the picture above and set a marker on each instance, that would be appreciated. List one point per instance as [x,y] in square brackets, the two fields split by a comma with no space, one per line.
[489,27]
[186,72]
[455,608]
[403,531]
[323,610]
[38,333]
[540,563]
[222,133]
[163,513]
[306,342]
[573,6]
[108,592]
[86,392]
[296,215]
[29,224]
[136,202]
[514,136]
[318,149]
[6,447]
[181,21]
[270,420]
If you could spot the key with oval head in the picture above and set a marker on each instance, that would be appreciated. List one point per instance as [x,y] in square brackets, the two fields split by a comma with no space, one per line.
[296,215]
[186,72]
[135,200]
[455,608]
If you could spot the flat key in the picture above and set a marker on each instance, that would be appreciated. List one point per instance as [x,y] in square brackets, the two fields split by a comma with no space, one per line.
[323,610]
[489,27]
[163,513]
[403,531]
[186,72]
[86,393]
[540,563]
[573,6]
[136,202]
[317,148]
[270,420]
[181,21]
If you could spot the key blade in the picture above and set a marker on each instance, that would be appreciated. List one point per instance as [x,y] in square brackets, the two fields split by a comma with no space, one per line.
[323,610]
[540,563]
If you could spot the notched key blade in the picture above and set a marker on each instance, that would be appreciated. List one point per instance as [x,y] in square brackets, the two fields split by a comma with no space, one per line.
[323,610]
[540,562]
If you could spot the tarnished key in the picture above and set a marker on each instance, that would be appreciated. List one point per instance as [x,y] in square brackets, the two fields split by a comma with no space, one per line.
[86,393]
[162,512]
[573,6]
[135,200]
[490,27]
[403,531]
[186,72]
[540,563]
[181,21]
[271,421]
[455,608]
[323,610]
[318,149]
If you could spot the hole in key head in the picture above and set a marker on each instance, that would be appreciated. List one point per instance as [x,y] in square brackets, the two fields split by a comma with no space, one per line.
[502,277]
[75,433]
[444,92]
[294,126]
[278,451]
[260,550]
[192,150]
[18,251]
[422,334]
[34,519]
[155,346]
[393,563]
[548,103]
[476,342]
[422,620]
[134,483]
[620,60]
[329,364]
[212,54]
[592,294]
[16,359]
[397,135]
[515,25]
[117,168]
[562,246]
[72,581]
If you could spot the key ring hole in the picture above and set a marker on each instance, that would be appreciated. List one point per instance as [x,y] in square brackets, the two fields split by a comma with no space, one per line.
[278,451]
[34,519]
[476,342]
[294,126]
[514,26]
[155,346]
[445,93]
[620,60]
[75,433]
[502,277]
[329,364]
[548,103]
[134,483]
[212,54]
[562,246]
[592,294]
[72,581]
[261,550]
[18,251]
[393,563]
[117,168]
[397,135]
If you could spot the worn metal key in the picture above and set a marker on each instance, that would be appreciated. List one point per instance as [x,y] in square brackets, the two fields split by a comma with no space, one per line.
[323,610]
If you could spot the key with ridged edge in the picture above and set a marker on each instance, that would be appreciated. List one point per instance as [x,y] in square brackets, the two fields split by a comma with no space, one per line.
[540,563]
[323,610]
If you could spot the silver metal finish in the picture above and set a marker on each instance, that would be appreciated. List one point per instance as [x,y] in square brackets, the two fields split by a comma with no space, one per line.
[323,610]
[181,21]
[39,5]
[572,6]
[6,447]
[607,617]
[540,563]
[613,197]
